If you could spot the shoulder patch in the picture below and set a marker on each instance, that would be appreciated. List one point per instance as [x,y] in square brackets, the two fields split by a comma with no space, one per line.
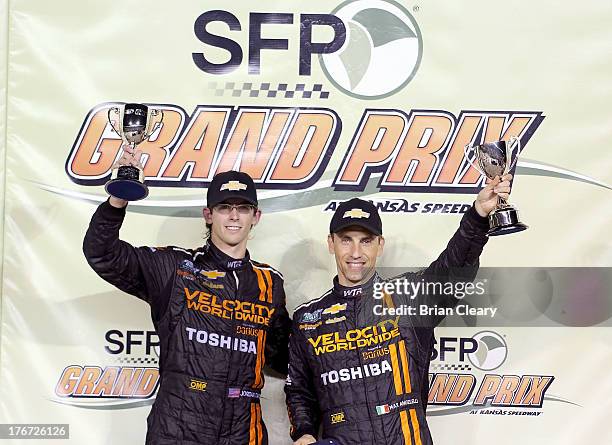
[263,266]
[311,302]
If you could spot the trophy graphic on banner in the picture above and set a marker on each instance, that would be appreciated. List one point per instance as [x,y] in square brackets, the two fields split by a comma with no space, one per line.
[496,159]
[134,123]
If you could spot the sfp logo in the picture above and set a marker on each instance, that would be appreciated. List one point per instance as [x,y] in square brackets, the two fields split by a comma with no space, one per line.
[290,148]
[133,373]
[486,350]
[368,49]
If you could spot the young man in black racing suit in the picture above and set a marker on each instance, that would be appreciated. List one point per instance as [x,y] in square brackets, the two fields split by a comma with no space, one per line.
[220,316]
[361,377]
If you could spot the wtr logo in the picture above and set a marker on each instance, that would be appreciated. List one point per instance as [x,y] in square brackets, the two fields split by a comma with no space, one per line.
[381,53]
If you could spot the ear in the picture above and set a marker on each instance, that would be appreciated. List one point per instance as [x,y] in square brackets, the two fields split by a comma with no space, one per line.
[207,215]
[330,243]
[381,245]
[256,218]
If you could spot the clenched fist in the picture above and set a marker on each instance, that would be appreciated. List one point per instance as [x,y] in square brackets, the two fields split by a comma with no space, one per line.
[486,201]
[130,157]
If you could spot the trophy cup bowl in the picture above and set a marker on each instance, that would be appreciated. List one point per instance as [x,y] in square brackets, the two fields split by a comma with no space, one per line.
[134,123]
[493,159]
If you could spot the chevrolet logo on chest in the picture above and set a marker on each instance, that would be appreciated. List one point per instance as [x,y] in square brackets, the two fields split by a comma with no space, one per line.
[212,274]
[335,308]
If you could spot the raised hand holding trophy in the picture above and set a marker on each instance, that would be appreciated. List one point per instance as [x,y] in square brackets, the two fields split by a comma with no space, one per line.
[493,159]
[134,123]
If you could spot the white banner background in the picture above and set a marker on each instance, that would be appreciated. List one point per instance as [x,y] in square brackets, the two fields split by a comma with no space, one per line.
[66,57]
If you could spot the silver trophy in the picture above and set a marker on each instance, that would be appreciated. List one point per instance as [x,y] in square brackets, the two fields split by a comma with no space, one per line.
[134,123]
[496,159]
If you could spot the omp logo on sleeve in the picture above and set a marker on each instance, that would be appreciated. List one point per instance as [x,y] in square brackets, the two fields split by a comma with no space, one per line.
[337,417]
[197,385]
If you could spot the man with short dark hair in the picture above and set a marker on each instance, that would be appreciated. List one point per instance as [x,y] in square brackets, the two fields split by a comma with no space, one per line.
[361,378]
[220,315]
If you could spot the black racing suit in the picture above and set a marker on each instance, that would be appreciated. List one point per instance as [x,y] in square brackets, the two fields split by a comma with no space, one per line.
[363,378]
[219,320]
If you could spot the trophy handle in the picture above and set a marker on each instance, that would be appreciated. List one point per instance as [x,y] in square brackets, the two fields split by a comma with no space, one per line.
[154,119]
[471,155]
[115,119]
[513,148]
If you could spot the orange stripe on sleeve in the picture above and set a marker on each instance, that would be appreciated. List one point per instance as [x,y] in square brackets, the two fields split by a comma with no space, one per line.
[403,355]
[405,428]
[269,281]
[260,361]
[261,283]
[259,428]
[397,379]
[415,427]
[252,430]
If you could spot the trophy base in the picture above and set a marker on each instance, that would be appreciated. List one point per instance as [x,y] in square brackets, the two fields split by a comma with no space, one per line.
[127,189]
[127,182]
[504,221]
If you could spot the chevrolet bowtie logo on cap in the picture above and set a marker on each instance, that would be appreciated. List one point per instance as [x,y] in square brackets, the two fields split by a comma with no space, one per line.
[356,213]
[233,186]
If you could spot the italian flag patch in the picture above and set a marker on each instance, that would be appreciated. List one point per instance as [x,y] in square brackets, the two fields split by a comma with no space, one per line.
[382,409]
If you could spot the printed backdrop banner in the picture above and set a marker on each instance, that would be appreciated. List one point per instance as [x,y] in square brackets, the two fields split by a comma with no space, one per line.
[319,101]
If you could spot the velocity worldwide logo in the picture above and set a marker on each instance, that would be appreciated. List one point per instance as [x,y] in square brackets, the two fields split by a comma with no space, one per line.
[381,53]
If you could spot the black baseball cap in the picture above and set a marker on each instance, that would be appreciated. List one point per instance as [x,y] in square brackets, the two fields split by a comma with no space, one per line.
[356,212]
[231,185]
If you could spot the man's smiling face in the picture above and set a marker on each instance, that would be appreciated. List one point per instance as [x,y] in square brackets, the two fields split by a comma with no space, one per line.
[356,251]
[231,221]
